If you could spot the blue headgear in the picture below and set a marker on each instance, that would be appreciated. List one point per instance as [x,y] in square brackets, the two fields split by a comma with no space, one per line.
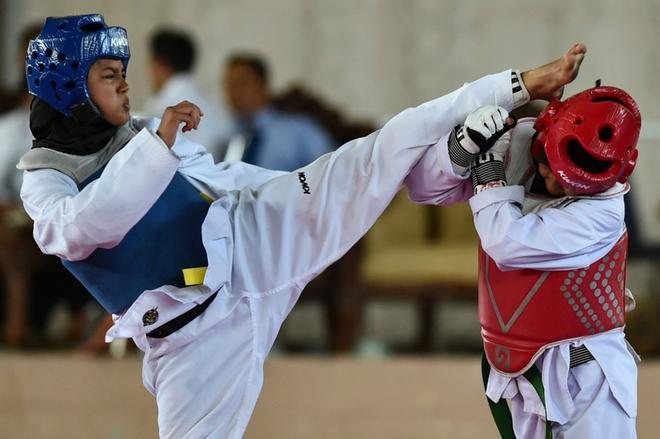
[59,59]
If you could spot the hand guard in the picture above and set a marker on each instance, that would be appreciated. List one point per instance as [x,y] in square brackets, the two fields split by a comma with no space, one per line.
[487,172]
[488,168]
[482,128]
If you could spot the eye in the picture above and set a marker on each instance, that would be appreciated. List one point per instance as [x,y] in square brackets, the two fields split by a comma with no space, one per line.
[605,133]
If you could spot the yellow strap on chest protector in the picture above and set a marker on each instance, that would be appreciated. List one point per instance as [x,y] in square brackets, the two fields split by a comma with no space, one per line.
[194,276]
[207,198]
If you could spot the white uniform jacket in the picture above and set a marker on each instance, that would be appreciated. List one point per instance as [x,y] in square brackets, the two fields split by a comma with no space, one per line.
[518,230]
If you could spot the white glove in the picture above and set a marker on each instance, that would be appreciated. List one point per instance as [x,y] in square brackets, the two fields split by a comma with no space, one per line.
[501,146]
[483,127]
[488,168]
[481,130]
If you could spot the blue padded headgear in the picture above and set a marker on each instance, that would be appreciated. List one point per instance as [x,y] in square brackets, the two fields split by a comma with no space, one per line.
[59,59]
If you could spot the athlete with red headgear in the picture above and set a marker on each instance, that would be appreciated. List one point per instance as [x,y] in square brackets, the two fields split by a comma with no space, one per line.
[548,207]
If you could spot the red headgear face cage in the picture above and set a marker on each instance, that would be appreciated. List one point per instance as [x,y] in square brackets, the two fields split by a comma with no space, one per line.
[590,139]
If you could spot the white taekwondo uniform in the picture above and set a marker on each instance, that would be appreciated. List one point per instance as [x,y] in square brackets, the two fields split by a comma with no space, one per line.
[521,230]
[266,235]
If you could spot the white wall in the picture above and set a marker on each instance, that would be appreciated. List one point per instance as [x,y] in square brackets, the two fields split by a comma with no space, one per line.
[374,57]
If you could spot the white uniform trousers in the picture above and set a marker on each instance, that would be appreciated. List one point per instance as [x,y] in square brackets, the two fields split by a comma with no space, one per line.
[207,376]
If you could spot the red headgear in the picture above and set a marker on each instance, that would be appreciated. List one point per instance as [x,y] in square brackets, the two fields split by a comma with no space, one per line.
[590,139]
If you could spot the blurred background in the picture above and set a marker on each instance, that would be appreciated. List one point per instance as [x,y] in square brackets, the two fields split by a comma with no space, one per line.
[386,342]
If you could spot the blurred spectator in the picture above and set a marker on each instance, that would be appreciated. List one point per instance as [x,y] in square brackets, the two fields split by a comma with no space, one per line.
[15,127]
[171,62]
[23,268]
[17,249]
[263,135]
[341,128]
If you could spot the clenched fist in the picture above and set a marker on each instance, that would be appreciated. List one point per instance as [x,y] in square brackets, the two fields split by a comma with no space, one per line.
[482,128]
[184,112]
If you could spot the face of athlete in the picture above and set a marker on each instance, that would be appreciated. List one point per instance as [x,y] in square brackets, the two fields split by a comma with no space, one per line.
[107,86]
[552,185]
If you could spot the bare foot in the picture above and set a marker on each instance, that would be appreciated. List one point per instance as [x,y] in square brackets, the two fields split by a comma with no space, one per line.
[547,82]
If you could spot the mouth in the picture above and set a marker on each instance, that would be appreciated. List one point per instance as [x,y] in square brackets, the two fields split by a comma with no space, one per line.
[127,107]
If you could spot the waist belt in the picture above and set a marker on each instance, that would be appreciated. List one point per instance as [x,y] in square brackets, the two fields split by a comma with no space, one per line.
[179,322]
[579,355]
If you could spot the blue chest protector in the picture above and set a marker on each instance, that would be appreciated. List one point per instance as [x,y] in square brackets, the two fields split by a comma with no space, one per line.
[153,253]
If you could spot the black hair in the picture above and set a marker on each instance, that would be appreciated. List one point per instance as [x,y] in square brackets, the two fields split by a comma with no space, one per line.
[173,48]
[255,62]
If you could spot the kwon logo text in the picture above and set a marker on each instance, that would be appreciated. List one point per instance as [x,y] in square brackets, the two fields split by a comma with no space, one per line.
[303,183]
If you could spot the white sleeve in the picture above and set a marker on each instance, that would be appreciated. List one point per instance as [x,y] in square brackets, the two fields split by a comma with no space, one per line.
[295,225]
[215,179]
[567,237]
[433,180]
[72,224]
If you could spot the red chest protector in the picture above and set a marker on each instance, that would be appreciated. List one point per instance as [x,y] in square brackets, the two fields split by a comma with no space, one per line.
[523,312]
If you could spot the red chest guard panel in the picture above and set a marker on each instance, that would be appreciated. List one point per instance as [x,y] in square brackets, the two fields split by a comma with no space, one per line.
[523,312]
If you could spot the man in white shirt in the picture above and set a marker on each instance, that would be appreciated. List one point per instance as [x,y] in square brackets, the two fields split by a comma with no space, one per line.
[18,255]
[171,62]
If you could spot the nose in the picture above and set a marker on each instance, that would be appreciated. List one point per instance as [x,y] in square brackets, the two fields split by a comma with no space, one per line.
[123,87]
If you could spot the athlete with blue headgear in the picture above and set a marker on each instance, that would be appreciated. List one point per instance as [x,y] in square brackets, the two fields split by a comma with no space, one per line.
[200,263]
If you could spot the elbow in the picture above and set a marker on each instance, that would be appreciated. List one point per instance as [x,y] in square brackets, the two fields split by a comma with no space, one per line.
[66,246]
[442,199]
[493,250]
[500,253]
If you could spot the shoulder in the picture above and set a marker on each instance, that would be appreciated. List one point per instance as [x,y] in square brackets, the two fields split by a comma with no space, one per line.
[45,181]
[48,159]
[81,167]
[598,213]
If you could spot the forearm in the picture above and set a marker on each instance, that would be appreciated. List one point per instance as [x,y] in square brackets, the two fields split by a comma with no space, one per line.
[72,224]
[432,181]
